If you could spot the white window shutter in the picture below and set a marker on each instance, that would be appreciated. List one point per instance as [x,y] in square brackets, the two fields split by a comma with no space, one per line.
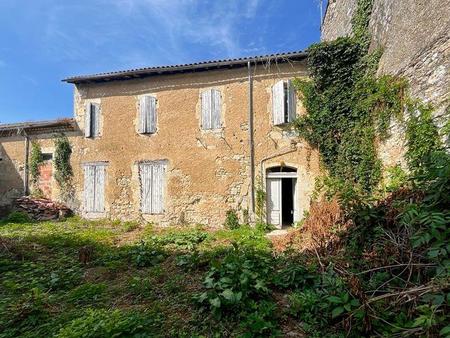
[206,109]
[94,188]
[87,120]
[89,181]
[95,119]
[142,115]
[145,175]
[151,127]
[292,101]
[152,177]
[278,103]
[216,120]
[99,188]
[157,188]
[147,115]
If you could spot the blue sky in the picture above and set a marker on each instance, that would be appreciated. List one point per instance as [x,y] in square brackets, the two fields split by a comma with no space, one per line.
[44,41]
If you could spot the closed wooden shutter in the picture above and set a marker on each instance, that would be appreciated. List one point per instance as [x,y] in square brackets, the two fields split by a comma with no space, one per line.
[94,188]
[96,119]
[87,121]
[216,109]
[292,101]
[152,177]
[99,205]
[89,188]
[157,188]
[278,106]
[147,114]
[211,109]
[206,109]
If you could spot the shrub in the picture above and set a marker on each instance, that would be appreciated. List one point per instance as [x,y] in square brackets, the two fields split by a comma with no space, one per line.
[181,240]
[232,220]
[87,293]
[18,217]
[110,323]
[241,277]
[146,254]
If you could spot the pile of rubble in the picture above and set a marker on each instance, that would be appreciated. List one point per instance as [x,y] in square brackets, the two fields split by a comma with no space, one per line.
[41,209]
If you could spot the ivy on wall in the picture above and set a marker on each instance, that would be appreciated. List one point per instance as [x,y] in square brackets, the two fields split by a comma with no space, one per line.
[349,108]
[63,169]
[36,160]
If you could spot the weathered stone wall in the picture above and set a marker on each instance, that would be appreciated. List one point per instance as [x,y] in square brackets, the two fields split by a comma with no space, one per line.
[415,37]
[207,171]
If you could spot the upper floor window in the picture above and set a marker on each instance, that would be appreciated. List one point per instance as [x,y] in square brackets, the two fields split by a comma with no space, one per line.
[147,115]
[92,120]
[211,109]
[283,102]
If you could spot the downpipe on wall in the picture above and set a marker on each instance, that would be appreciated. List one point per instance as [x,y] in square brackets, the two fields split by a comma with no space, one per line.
[251,138]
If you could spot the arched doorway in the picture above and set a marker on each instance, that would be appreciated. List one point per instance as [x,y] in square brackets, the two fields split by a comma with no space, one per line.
[281,193]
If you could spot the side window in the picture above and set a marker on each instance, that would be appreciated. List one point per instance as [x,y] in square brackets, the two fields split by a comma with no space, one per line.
[284,102]
[152,177]
[92,120]
[94,187]
[147,115]
[211,109]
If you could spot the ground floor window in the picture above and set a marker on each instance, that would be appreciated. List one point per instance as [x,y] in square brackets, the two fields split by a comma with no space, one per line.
[94,188]
[152,177]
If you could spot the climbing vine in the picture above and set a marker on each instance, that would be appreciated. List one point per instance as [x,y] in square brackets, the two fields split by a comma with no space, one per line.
[349,108]
[63,169]
[36,160]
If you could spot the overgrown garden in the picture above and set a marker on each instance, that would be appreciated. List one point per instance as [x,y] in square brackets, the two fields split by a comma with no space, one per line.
[378,266]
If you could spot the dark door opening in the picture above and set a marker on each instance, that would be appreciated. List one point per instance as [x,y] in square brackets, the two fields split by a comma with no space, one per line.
[287,196]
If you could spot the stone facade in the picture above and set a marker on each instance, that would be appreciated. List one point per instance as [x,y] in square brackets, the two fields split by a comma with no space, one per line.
[415,38]
[207,170]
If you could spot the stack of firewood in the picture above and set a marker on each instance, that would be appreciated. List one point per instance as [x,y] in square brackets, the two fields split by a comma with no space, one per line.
[41,209]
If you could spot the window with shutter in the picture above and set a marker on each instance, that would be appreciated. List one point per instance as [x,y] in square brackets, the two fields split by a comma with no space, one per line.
[94,188]
[92,120]
[211,109]
[147,115]
[152,178]
[283,102]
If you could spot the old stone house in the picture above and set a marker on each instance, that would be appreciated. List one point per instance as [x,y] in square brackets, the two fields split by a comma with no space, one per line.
[178,144]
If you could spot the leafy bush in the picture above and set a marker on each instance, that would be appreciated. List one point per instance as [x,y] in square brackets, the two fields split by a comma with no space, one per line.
[232,220]
[87,293]
[146,254]
[18,217]
[242,276]
[110,323]
[181,240]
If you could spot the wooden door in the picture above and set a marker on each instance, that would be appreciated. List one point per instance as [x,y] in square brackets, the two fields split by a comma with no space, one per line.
[274,202]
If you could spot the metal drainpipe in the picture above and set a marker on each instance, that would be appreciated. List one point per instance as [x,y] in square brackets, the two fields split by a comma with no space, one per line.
[26,170]
[251,139]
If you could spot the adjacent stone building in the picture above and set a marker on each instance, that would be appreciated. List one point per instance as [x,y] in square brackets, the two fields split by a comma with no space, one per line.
[415,38]
[179,144]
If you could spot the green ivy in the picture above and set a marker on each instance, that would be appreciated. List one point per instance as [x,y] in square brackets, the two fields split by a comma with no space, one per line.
[63,169]
[36,160]
[349,107]
[422,136]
